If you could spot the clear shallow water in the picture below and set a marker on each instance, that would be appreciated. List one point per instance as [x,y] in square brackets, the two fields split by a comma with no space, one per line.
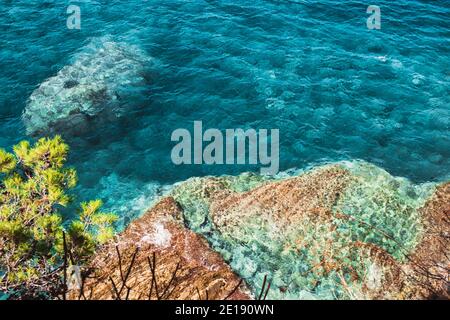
[334,89]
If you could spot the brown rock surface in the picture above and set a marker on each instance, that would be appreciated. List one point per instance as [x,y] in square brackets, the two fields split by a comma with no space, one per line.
[201,274]
[283,202]
[294,219]
[429,268]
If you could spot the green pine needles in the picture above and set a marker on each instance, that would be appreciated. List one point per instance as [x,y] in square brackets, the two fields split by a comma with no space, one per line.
[33,189]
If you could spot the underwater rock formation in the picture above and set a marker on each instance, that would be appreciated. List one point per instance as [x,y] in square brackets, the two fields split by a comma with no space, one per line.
[341,231]
[102,74]
[185,267]
[347,230]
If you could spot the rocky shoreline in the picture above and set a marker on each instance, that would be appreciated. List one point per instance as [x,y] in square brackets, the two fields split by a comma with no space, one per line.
[347,230]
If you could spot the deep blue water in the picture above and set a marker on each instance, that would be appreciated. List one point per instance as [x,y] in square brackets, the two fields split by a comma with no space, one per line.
[335,89]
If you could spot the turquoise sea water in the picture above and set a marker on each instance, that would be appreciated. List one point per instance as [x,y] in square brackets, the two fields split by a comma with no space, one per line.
[333,88]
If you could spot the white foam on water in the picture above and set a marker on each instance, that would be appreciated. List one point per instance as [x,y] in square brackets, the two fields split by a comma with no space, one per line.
[160,236]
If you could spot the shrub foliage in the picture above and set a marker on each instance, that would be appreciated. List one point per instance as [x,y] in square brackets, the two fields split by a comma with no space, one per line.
[34,186]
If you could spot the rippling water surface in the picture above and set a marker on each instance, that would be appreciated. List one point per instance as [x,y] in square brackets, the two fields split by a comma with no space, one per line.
[335,89]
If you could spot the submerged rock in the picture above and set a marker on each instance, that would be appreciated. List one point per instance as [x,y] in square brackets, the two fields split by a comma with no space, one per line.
[101,75]
[341,231]
[347,230]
